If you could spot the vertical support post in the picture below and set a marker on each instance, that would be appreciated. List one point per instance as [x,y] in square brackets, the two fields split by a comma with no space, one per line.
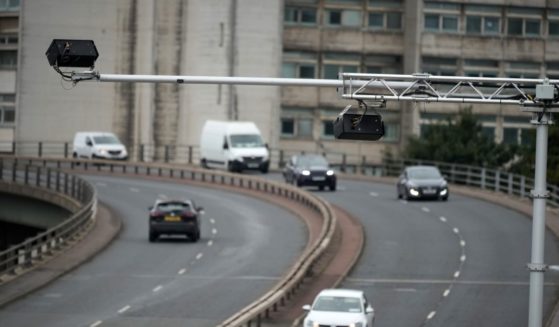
[40,150]
[483,178]
[65,150]
[539,195]
[190,154]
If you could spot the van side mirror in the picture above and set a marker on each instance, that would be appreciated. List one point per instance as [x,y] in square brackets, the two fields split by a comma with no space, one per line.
[267,146]
[89,143]
[307,307]
[225,146]
[369,310]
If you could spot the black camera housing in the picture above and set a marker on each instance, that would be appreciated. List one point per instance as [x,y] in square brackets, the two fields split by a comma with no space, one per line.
[72,53]
[353,125]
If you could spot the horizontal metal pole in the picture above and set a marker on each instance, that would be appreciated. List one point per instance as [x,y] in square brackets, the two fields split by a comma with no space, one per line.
[433,99]
[438,78]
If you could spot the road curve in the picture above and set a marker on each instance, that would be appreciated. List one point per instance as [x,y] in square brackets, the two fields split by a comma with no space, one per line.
[455,263]
[246,244]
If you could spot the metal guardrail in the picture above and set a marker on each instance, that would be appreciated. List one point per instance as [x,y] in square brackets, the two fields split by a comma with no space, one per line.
[259,310]
[485,178]
[24,255]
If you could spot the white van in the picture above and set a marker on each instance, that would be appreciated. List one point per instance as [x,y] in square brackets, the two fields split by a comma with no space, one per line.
[98,145]
[233,145]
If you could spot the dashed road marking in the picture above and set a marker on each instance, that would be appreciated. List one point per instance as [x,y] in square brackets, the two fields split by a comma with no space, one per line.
[182,271]
[443,219]
[210,243]
[162,196]
[425,209]
[158,288]
[405,290]
[214,231]
[457,274]
[133,189]
[374,194]
[463,258]
[199,256]
[123,310]
[462,243]
[341,188]
[446,292]
[100,184]
[95,324]
[431,315]
[212,221]
[455,230]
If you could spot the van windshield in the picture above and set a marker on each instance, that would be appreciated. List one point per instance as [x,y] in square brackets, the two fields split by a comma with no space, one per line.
[105,139]
[246,141]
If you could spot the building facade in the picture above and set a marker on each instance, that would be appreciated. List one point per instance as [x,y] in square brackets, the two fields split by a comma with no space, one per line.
[290,38]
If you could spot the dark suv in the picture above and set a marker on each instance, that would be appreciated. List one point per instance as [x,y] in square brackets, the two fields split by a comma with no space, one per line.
[310,170]
[168,217]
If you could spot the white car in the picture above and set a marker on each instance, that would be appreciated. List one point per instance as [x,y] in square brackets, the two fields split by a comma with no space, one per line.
[339,307]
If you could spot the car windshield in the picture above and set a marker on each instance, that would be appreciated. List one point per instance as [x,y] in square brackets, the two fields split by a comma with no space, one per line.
[310,161]
[424,173]
[172,206]
[337,304]
[105,139]
[246,141]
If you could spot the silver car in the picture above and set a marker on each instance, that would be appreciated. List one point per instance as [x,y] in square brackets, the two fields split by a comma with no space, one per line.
[417,182]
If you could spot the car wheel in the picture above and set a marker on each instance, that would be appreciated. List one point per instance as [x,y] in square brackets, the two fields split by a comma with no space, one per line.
[398,194]
[152,237]
[204,164]
[264,170]
[332,187]
[321,187]
[405,195]
[445,198]
[195,236]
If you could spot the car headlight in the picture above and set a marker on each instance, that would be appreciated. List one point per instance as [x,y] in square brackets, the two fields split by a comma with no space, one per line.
[305,172]
[309,323]
[414,192]
[330,173]
[103,151]
[444,184]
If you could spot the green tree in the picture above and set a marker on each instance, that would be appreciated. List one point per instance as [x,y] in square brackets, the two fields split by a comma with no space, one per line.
[460,141]
[526,160]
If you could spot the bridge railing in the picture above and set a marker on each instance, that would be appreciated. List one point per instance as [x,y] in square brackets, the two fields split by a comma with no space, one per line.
[63,188]
[257,312]
[480,177]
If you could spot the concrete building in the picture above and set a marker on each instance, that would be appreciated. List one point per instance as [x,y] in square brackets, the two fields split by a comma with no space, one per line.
[290,38]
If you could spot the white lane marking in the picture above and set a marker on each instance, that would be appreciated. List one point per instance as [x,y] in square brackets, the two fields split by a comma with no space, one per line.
[374,194]
[425,209]
[214,231]
[341,188]
[443,219]
[403,201]
[431,315]
[457,274]
[463,258]
[446,292]
[212,221]
[133,189]
[95,324]
[100,184]
[182,271]
[123,310]
[455,230]
[199,256]
[162,196]
[210,243]
[158,288]
[462,243]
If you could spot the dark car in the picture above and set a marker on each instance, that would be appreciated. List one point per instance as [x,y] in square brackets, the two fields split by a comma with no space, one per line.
[418,182]
[170,217]
[310,170]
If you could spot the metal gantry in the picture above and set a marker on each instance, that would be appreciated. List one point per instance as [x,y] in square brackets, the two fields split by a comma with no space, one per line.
[539,96]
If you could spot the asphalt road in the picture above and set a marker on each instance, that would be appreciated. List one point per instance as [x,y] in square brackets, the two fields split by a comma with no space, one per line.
[431,263]
[246,245]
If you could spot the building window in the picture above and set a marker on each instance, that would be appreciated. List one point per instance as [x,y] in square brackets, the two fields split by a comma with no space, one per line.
[328,129]
[8,59]
[299,65]
[439,65]
[9,5]
[481,68]
[523,69]
[336,63]
[524,22]
[296,123]
[343,17]
[298,15]
[385,15]
[441,17]
[483,20]
[7,109]
[383,64]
